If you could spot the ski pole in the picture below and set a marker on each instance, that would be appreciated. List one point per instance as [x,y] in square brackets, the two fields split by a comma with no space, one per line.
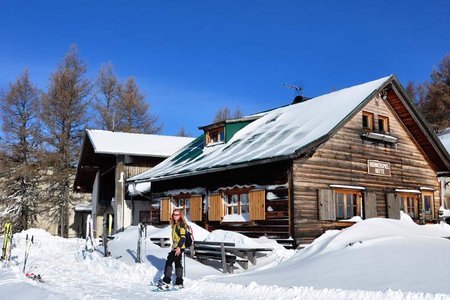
[27,251]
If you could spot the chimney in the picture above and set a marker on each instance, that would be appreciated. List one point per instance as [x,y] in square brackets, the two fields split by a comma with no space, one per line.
[300,99]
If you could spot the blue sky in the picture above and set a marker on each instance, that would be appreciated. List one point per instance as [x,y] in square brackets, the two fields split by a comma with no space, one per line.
[192,57]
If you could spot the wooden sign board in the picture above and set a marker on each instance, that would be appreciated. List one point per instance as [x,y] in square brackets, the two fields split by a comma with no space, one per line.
[380,168]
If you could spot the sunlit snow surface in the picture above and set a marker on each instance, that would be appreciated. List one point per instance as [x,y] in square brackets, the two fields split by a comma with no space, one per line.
[373,259]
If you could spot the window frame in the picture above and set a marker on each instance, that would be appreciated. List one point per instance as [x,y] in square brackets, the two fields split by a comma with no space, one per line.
[405,204]
[370,120]
[357,205]
[218,133]
[183,202]
[231,206]
[430,215]
[385,122]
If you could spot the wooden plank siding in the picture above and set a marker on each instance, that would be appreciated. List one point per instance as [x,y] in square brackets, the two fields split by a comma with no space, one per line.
[276,223]
[343,160]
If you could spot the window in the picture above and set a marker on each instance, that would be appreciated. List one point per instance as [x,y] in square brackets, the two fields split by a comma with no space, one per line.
[237,203]
[367,120]
[184,205]
[428,203]
[409,205]
[348,204]
[216,135]
[144,216]
[383,124]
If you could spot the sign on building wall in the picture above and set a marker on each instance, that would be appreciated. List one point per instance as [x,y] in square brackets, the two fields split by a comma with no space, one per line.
[380,168]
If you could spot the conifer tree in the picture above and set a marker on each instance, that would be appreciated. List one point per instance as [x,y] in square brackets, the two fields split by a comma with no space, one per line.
[224,113]
[107,95]
[131,110]
[433,97]
[64,114]
[20,156]
[437,108]
[183,133]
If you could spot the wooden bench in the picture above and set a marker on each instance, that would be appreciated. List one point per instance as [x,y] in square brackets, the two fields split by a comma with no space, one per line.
[163,242]
[247,253]
[287,243]
[217,251]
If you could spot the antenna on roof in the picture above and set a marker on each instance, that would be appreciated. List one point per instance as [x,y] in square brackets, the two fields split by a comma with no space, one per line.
[299,98]
[297,88]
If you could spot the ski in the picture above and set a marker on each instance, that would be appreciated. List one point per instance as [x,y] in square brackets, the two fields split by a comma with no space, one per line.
[139,242]
[28,243]
[160,286]
[89,245]
[35,277]
[7,239]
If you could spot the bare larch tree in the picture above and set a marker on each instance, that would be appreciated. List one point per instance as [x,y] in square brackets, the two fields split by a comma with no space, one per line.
[107,94]
[131,111]
[64,113]
[20,156]
[224,113]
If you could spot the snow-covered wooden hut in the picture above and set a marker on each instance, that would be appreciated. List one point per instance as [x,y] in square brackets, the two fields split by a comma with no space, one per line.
[296,171]
[106,160]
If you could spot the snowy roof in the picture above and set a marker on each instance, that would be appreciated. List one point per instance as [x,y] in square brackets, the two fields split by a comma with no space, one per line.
[445,138]
[278,134]
[109,142]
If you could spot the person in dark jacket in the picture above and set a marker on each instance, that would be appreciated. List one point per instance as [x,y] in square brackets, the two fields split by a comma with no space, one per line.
[179,225]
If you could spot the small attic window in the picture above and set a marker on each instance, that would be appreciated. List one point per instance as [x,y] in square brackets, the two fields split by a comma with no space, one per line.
[216,135]
[383,124]
[367,120]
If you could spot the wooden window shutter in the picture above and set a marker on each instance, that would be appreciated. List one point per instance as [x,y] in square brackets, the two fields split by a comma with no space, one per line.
[257,204]
[165,210]
[393,206]
[327,205]
[370,205]
[215,211]
[196,208]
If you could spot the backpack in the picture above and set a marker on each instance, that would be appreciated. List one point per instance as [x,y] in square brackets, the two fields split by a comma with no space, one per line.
[189,236]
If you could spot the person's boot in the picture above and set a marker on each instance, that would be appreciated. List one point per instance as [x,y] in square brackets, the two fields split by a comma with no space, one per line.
[179,280]
[163,284]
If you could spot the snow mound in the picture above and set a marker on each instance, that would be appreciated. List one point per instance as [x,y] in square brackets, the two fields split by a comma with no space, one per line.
[374,254]
[373,230]
[240,240]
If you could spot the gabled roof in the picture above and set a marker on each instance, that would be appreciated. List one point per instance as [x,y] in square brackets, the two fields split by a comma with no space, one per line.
[99,144]
[109,142]
[280,134]
[444,136]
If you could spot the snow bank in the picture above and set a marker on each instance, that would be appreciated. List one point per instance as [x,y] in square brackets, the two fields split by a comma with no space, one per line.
[374,259]
[374,254]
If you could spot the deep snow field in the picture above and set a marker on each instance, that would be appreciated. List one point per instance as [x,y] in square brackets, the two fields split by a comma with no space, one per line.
[373,259]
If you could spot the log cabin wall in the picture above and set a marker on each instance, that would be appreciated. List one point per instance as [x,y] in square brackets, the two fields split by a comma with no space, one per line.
[138,165]
[276,222]
[342,160]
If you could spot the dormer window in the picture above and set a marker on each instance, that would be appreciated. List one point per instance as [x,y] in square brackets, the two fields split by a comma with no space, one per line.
[367,120]
[216,135]
[383,124]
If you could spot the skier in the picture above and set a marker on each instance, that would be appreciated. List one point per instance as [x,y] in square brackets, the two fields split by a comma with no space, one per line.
[179,224]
